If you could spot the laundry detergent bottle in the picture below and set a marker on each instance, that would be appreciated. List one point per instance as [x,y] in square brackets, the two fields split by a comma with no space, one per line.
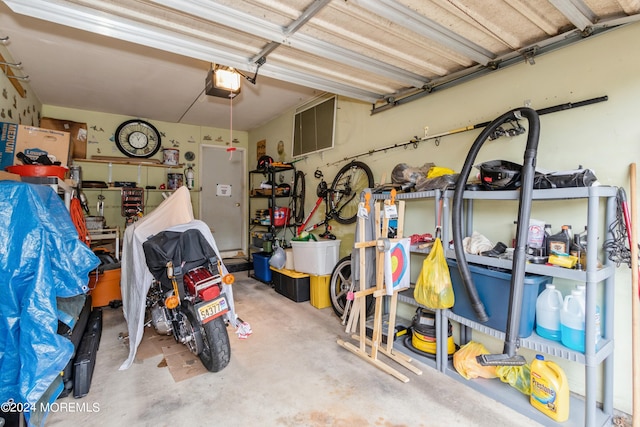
[549,389]
[548,308]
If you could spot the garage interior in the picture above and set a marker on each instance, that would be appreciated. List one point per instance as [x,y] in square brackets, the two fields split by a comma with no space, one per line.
[415,83]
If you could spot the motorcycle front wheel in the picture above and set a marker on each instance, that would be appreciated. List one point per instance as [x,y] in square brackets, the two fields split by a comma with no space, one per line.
[216,351]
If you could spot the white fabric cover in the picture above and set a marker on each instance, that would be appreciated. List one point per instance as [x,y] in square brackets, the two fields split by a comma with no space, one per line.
[175,214]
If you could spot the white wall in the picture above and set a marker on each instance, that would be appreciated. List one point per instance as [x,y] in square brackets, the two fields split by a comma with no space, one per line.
[604,137]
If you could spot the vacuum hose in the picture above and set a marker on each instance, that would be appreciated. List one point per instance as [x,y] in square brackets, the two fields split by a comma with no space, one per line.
[524,210]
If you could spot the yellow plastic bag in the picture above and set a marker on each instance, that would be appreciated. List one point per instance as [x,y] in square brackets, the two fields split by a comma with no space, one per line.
[433,287]
[436,171]
[518,377]
[464,360]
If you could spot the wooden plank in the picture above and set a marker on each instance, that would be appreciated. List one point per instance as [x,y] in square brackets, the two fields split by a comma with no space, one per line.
[363,285]
[12,78]
[393,309]
[353,317]
[375,362]
[399,358]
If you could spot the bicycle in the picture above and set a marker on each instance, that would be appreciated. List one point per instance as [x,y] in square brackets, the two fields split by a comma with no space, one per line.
[341,199]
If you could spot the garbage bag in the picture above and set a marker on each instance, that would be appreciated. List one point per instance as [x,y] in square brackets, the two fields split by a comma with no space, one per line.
[278,259]
[433,287]
[518,377]
[464,361]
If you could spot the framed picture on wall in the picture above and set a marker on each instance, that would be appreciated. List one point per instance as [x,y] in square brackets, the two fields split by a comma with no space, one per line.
[261,148]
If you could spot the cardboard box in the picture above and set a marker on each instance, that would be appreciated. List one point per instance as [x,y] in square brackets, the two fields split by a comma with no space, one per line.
[77,132]
[9,176]
[33,142]
[8,137]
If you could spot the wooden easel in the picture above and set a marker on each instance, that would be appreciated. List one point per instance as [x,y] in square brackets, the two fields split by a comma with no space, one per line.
[359,308]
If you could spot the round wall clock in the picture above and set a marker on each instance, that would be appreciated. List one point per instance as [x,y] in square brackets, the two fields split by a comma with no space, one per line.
[137,138]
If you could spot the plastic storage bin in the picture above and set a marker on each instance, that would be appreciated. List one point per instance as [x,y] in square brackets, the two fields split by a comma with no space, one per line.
[494,291]
[320,291]
[317,258]
[261,266]
[291,284]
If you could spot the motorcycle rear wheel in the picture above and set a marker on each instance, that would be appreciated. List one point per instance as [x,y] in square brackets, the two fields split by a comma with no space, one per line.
[216,351]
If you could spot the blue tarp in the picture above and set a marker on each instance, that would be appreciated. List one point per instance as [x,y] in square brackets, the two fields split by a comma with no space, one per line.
[41,258]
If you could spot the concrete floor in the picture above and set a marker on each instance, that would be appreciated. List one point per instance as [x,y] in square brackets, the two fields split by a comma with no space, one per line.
[290,372]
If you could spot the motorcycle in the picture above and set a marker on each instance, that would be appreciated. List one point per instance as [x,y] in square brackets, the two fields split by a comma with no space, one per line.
[186,298]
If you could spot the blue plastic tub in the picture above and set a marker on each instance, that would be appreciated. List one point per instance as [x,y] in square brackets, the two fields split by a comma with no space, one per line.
[494,290]
[261,266]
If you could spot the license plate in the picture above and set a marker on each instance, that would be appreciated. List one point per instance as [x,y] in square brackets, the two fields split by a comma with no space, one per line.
[209,310]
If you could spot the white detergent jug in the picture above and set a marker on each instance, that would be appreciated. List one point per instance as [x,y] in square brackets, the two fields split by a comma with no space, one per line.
[598,331]
[548,307]
[572,321]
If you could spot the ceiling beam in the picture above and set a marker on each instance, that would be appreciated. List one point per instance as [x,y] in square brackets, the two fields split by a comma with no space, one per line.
[241,21]
[424,26]
[91,20]
[306,15]
[577,12]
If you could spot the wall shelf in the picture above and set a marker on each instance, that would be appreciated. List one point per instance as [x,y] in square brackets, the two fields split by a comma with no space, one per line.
[131,162]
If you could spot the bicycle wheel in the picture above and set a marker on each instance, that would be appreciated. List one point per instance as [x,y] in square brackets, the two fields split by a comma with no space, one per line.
[346,188]
[341,284]
[298,198]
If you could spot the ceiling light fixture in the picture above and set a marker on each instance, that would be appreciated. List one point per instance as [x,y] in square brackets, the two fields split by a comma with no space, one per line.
[223,82]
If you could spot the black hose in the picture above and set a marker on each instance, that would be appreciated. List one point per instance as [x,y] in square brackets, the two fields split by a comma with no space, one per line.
[528,170]
[522,230]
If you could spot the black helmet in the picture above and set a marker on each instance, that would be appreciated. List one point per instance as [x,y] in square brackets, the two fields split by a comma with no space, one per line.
[284,188]
[264,162]
[500,175]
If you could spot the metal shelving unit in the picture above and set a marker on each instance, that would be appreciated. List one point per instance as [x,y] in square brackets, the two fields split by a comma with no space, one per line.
[591,414]
[583,411]
[268,201]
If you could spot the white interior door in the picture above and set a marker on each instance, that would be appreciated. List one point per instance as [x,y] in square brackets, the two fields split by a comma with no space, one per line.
[223,182]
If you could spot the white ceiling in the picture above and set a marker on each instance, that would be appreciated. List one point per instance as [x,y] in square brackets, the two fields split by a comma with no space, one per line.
[149,58]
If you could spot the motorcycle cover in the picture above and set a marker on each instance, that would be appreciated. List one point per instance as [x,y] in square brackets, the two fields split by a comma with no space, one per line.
[174,214]
[41,258]
[186,251]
